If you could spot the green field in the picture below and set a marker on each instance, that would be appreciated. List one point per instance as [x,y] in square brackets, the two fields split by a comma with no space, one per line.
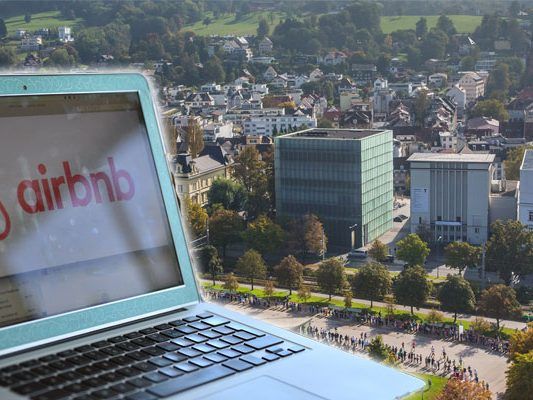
[227,25]
[437,384]
[49,19]
[463,23]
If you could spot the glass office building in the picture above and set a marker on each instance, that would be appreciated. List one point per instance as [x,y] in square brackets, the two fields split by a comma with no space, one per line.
[344,176]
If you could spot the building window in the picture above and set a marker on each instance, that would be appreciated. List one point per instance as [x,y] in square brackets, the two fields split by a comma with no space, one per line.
[458,219]
[531,215]
[476,230]
[439,218]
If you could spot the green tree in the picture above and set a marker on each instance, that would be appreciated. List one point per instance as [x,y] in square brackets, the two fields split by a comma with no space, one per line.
[379,251]
[231,283]
[456,295]
[468,63]
[421,27]
[461,255]
[8,57]
[519,382]
[434,45]
[510,250]
[251,266]
[499,302]
[411,287]
[214,70]
[499,79]
[514,159]
[315,239]
[412,250]
[230,194]
[377,349]
[268,290]
[212,262]
[225,227]
[458,389]
[194,138]
[196,217]
[304,293]
[330,276]
[264,235]
[3,28]
[521,342]
[492,108]
[289,273]
[445,24]
[263,28]
[372,282]
[421,107]
[61,58]
[347,299]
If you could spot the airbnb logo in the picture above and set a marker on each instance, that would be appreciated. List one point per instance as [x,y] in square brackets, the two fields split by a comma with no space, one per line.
[45,194]
[7,222]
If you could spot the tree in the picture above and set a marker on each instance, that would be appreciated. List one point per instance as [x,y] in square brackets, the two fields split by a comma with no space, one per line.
[304,293]
[456,295]
[445,24]
[8,57]
[459,389]
[27,18]
[263,28]
[289,273]
[196,216]
[468,63]
[231,283]
[513,162]
[434,316]
[519,382]
[498,302]
[421,27]
[377,349]
[434,45]
[492,108]
[379,251]
[412,250]
[194,138]
[510,250]
[461,255]
[330,276]
[372,282]
[411,287]
[315,240]
[421,107]
[230,194]
[214,70]
[251,265]
[324,123]
[61,58]
[264,235]
[225,227]
[3,28]
[268,290]
[499,79]
[347,299]
[521,342]
[212,262]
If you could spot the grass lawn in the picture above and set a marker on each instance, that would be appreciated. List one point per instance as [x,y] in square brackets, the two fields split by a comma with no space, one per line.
[49,19]
[463,23]
[323,300]
[226,24]
[437,384]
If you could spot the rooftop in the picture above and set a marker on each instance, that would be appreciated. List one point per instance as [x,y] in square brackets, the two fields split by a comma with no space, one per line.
[446,157]
[317,133]
[527,163]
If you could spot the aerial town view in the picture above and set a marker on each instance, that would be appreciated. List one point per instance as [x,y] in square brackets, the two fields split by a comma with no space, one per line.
[359,172]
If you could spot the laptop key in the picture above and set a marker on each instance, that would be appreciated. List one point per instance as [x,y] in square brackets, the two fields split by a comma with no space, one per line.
[113,351]
[201,362]
[139,383]
[133,335]
[204,348]
[171,372]
[237,365]
[153,351]
[160,362]
[244,335]
[55,394]
[215,321]
[264,342]
[210,334]
[231,339]
[215,357]
[117,339]
[296,349]
[111,377]
[191,319]
[229,353]
[103,393]
[186,367]
[175,357]
[148,331]
[223,330]
[24,376]
[182,342]
[84,349]
[123,388]
[128,346]
[219,344]
[177,322]
[143,342]
[167,346]
[66,353]
[157,337]
[243,349]
[189,352]
[29,388]
[163,327]
[270,357]
[284,353]
[185,329]
[200,326]
[128,372]
[78,360]
[182,383]
[76,388]
[145,367]
[138,355]
[155,377]
[100,344]
[204,315]
[95,355]
[121,360]
[196,338]
[172,334]
[141,396]
[253,360]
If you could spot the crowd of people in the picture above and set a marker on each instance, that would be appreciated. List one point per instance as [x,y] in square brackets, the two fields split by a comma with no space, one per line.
[406,355]
[450,332]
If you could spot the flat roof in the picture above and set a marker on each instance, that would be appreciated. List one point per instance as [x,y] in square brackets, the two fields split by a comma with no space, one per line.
[320,133]
[450,157]
[527,162]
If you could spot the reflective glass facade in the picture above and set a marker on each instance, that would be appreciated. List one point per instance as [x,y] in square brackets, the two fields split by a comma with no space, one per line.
[344,179]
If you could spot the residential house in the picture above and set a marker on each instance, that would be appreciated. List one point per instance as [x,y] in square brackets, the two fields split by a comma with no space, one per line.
[199,101]
[473,85]
[270,74]
[215,130]
[65,34]
[334,58]
[281,123]
[265,46]
[458,95]
[438,79]
[316,75]
[482,126]
[31,43]
[364,74]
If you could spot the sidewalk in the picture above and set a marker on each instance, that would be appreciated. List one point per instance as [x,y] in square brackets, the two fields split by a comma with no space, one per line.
[466,317]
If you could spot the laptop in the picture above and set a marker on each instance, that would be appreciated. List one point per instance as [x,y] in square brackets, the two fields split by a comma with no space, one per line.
[98,298]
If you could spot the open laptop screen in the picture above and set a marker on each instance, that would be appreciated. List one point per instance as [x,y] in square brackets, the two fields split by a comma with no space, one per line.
[82,220]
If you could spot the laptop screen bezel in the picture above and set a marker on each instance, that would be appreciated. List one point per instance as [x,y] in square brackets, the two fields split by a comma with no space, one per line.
[59,327]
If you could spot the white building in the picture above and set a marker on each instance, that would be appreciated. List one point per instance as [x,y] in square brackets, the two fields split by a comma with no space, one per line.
[269,74]
[348,99]
[64,34]
[214,130]
[268,125]
[210,87]
[31,43]
[525,191]
[450,195]
[473,85]
[448,141]
[458,95]
[438,79]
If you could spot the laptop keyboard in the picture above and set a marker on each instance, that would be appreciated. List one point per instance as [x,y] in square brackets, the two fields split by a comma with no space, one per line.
[148,364]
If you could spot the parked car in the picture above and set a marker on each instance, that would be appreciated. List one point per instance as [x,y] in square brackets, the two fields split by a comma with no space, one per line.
[358,253]
[403,217]
[390,258]
[398,219]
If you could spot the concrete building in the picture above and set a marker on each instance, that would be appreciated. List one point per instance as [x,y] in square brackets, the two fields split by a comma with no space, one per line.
[270,125]
[450,195]
[473,85]
[344,176]
[525,191]
[64,33]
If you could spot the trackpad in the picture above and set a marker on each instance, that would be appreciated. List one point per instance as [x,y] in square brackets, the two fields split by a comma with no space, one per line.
[263,388]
